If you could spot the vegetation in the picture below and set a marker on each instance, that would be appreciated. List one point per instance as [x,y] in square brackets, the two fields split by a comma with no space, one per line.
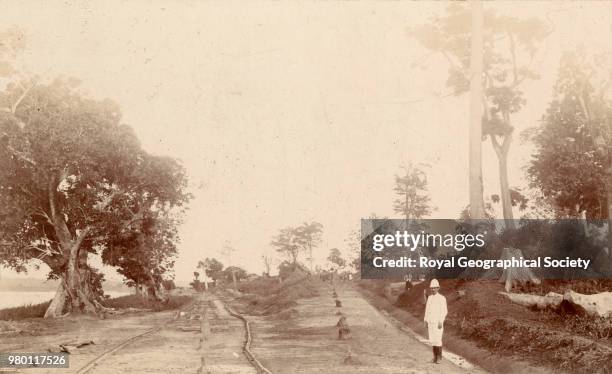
[196,284]
[265,296]
[141,302]
[335,259]
[24,312]
[569,165]
[168,284]
[291,241]
[75,181]
[233,273]
[212,268]
[308,236]
[509,45]
[121,302]
[412,201]
[267,260]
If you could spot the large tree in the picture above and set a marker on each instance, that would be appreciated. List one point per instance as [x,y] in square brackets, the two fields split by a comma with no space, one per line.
[308,236]
[412,200]
[335,259]
[234,274]
[143,243]
[212,267]
[228,251]
[67,168]
[509,45]
[353,243]
[572,165]
[287,243]
[267,260]
[477,209]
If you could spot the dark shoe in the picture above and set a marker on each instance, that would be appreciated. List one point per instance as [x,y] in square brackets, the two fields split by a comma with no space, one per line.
[438,354]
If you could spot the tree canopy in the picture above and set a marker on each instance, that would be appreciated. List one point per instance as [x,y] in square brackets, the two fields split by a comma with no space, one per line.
[212,267]
[412,200]
[569,166]
[335,258]
[308,236]
[74,180]
[509,47]
[286,243]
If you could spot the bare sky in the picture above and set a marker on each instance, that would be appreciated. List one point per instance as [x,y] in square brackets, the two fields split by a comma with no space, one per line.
[285,112]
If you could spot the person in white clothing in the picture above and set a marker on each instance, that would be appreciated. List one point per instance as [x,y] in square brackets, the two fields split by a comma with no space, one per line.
[435,313]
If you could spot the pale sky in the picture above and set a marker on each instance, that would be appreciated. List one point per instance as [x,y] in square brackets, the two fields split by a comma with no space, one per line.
[285,112]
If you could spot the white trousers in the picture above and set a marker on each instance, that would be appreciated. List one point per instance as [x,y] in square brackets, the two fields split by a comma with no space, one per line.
[435,334]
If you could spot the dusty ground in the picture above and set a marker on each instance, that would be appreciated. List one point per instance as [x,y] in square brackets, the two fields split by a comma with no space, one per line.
[304,340]
[105,333]
[212,344]
[297,337]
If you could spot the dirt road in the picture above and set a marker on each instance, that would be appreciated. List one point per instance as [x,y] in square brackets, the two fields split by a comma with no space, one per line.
[304,340]
[204,338]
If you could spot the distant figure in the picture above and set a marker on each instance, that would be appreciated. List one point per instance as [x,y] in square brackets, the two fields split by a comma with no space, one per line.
[435,313]
[343,328]
[407,282]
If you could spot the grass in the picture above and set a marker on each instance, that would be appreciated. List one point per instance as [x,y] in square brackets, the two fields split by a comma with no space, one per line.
[265,296]
[24,312]
[122,302]
[136,301]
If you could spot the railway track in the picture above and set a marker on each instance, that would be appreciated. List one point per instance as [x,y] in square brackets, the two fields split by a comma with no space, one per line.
[204,337]
[247,344]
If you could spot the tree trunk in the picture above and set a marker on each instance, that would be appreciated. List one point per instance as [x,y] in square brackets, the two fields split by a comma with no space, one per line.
[406,204]
[505,191]
[311,262]
[234,280]
[154,290]
[476,96]
[501,150]
[73,295]
[56,308]
[609,198]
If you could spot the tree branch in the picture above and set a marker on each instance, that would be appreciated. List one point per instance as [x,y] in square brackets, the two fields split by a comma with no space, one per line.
[25,92]
[20,155]
[81,237]
[51,196]
[44,215]
[106,201]
[496,146]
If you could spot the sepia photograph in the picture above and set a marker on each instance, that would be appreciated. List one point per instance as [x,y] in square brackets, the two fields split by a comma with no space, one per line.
[287,187]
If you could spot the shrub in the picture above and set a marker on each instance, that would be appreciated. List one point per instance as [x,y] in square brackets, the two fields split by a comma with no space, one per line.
[168,284]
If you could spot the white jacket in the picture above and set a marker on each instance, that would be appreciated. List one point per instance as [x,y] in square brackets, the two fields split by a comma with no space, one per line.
[435,309]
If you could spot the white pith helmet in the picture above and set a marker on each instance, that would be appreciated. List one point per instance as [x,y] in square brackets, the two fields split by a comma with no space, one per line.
[434,284]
